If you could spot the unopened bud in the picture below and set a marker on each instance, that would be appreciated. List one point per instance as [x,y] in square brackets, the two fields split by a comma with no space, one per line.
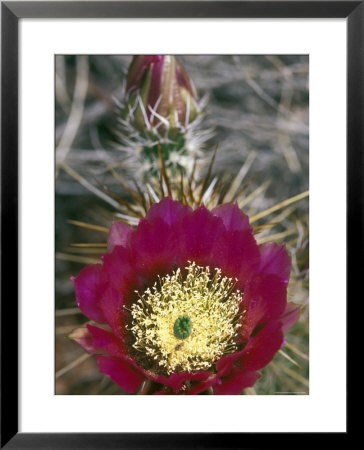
[160,94]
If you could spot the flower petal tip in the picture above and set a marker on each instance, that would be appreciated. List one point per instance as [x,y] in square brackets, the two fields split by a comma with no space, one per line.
[290,316]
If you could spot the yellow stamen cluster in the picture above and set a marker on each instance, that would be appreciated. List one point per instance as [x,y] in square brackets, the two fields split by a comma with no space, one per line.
[212,306]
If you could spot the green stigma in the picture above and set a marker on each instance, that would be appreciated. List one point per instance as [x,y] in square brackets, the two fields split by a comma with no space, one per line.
[182,327]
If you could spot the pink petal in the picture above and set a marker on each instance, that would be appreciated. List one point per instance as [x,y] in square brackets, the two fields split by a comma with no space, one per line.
[98,340]
[234,219]
[83,337]
[157,83]
[89,286]
[225,364]
[154,249]
[184,80]
[121,372]
[267,297]
[119,234]
[235,382]
[168,210]
[119,269]
[290,316]
[262,347]
[196,236]
[275,260]
[102,340]
[112,305]
[257,353]
[138,67]
[176,380]
[212,381]
[236,253]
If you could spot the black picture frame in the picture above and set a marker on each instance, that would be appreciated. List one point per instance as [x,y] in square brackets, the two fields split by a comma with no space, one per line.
[11,13]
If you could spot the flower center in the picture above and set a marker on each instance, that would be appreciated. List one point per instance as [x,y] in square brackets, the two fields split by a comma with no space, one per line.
[187,323]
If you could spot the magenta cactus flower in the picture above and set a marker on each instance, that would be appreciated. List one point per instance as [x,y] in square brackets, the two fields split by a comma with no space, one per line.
[187,302]
[160,93]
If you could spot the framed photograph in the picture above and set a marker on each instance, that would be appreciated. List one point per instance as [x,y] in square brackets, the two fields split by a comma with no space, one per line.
[181,191]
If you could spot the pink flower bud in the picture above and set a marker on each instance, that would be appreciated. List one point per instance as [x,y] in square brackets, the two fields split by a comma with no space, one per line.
[159,93]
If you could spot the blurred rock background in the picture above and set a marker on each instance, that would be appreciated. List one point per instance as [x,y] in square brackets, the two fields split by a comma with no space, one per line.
[258,108]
